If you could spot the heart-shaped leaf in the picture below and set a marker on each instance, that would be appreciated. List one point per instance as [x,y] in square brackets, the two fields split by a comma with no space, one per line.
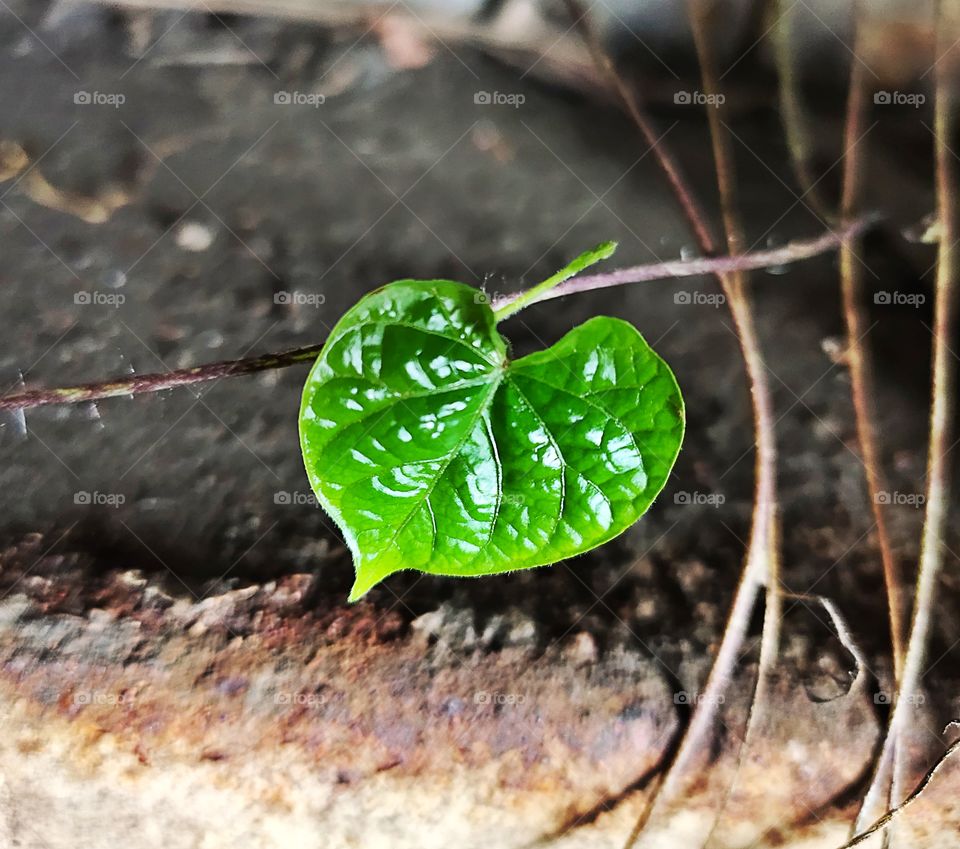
[433,450]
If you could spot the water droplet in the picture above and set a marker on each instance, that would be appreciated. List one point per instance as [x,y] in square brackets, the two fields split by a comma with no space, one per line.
[774,242]
[194,236]
[210,339]
[13,425]
[91,411]
[114,278]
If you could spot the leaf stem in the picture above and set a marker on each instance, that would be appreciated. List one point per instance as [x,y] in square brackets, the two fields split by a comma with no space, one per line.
[538,292]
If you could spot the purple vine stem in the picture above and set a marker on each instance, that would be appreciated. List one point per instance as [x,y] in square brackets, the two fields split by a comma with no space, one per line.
[143,383]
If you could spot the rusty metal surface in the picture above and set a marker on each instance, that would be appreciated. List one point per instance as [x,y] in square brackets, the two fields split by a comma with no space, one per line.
[350,723]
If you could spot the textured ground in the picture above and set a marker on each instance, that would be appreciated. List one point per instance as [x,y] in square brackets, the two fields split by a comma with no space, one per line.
[180,669]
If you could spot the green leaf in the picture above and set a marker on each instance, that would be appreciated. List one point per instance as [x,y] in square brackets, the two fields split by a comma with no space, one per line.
[433,450]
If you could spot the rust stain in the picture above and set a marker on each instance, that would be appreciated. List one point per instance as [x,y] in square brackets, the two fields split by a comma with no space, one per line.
[352,689]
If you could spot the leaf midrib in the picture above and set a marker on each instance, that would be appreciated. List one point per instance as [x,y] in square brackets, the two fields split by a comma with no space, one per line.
[482,408]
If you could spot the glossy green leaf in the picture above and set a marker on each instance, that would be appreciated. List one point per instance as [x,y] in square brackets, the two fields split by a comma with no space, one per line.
[433,450]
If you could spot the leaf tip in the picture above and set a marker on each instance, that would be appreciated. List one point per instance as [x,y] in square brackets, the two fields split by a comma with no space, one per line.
[367,578]
[605,250]
[359,590]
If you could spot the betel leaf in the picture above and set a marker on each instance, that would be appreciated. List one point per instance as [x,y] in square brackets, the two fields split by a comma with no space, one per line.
[433,450]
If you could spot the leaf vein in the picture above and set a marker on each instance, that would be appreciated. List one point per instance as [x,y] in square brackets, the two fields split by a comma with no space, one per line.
[599,407]
[454,453]
[556,446]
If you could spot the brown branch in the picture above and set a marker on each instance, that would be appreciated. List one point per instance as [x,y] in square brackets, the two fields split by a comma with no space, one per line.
[763,548]
[799,144]
[794,251]
[893,813]
[861,372]
[144,383]
[792,113]
[892,759]
[942,382]
[760,546]
[688,203]
[862,391]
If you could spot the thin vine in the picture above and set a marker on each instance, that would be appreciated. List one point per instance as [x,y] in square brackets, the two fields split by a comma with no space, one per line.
[157,382]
